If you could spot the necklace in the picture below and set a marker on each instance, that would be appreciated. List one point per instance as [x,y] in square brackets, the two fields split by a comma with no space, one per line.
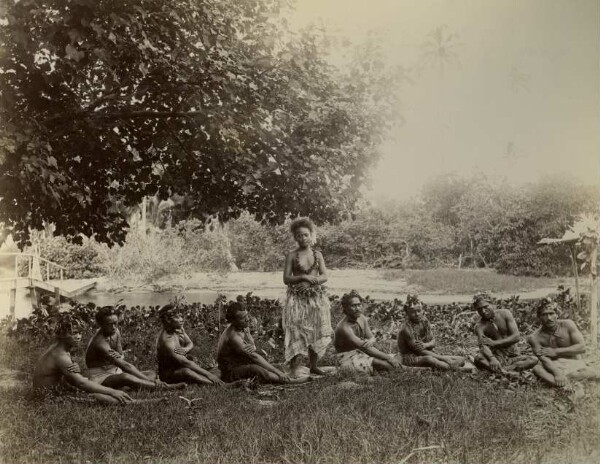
[302,269]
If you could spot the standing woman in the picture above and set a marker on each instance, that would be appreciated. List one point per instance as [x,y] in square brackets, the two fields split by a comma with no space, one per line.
[306,313]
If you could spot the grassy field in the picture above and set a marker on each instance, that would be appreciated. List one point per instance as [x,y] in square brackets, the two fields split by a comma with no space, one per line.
[446,417]
[460,281]
[333,420]
[404,417]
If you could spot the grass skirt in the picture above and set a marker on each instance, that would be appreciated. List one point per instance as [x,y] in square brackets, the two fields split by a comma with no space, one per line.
[306,321]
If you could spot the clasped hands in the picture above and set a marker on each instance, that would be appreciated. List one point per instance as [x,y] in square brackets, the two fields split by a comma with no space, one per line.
[547,352]
[488,342]
[308,281]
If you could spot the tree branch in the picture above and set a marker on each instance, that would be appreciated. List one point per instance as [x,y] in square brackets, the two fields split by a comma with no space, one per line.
[123,115]
[148,114]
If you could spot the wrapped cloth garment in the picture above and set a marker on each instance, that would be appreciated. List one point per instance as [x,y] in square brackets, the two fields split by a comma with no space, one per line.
[306,320]
[355,361]
[569,366]
[100,374]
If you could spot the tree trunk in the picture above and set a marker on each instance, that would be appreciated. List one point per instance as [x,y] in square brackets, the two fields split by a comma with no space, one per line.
[230,260]
[485,264]
[143,226]
[576,274]
[594,297]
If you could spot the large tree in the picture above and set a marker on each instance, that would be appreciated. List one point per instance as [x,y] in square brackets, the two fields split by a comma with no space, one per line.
[106,101]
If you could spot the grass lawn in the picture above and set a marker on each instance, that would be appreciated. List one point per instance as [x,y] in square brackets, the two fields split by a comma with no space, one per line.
[337,420]
[461,281]
[405,417]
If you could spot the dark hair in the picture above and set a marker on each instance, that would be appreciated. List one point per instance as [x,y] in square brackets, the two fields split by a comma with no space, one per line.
[481,298]
[347,298]
[546,303]
[105,311]
[166,310]
[66,326]
[233,309]
[302,222]
[412,300]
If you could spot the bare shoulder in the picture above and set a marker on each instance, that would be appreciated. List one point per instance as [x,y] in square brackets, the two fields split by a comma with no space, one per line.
[506,314]
[165,338]
[97,340]
[61,358]
[233,335]
[569,324]
[341,326]
[363,321]
[404,330]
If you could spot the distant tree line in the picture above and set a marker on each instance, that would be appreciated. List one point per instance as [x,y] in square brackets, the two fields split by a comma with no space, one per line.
[454,222]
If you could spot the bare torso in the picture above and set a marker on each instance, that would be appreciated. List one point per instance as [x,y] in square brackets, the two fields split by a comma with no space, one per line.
[342,342]
[94,356]
[498,327]
[165,360]
[227,356]
[305,262]
[560,338]
[420,331]
[47,371]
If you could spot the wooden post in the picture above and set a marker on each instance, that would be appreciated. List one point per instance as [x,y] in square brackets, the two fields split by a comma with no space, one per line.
[61,274]
[594,297]
[576,274]
[13,301]
[47,271]
[16,266]
[57,295]
[35,298]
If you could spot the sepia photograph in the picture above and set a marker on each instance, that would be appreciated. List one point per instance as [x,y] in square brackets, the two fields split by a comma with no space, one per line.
[299,231]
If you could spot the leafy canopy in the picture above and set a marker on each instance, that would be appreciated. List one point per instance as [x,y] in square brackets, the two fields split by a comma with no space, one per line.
[106,101]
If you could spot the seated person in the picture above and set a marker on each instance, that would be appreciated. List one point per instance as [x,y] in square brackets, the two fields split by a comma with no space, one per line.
[106,363]
[416,342]
[498,335]
[237,356]
[55,371]
[354,341]
[558,344]
[171,350]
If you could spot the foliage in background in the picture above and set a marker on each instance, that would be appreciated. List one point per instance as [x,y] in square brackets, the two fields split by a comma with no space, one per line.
[256,247]
[183,249]
[453,323]
[217,102]
[81,261]
[484,223]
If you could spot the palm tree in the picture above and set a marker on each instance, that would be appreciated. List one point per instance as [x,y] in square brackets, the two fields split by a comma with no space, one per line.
[439,49]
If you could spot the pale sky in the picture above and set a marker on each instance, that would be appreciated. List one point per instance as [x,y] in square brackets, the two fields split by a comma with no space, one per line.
[520,99]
